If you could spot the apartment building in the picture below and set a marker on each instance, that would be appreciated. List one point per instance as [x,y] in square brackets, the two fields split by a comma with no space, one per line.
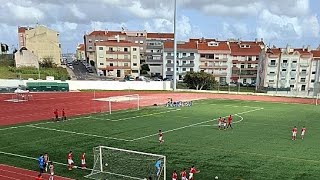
[187,59]
[245,59]
[41,41]
[316,71]
[214,58]
[290,68]
[117,58]
[80,52]
[154,52]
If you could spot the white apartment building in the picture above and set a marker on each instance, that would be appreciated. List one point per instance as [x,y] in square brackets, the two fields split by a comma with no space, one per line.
[289,69]
[117,58]
[187,59]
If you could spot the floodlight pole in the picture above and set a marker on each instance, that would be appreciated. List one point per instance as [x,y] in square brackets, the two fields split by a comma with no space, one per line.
[175,48]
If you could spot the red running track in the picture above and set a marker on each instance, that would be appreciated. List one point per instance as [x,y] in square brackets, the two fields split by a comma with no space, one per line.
[14,173]
[80,103]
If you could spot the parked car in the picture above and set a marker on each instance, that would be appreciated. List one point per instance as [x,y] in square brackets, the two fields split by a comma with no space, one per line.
[90,70]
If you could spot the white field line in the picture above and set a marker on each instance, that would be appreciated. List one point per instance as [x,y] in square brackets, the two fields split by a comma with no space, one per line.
[83,134]
[191,125]
[241,119]
[32,158]
[145,115]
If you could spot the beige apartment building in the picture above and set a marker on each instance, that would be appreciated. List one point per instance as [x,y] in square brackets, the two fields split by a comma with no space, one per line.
[41,41]
[117,58]
[80,52]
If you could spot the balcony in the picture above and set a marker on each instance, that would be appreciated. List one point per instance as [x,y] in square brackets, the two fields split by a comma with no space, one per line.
[302,82]
[219,74]
[292,81]
[293,74]
[273,64]
[154,46]
[153,53]
[271,74]
[244,76]
[187,58]
[117,52]
[116,67]
[244,62]
[214,66]
[245,69]
[118,60]
[284,65]
[214,60]
[294,65]
[304,65]
[283,82]
[187,65]
[153,61]
[169,72]
[283,73]
[303,73]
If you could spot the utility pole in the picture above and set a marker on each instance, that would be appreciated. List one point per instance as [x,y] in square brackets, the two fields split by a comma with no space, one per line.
[175,48]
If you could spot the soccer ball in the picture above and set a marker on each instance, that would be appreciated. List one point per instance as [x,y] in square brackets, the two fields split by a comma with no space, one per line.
[106,164]
[216,177]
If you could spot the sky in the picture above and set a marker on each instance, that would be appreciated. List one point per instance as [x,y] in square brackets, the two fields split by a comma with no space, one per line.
[278,22]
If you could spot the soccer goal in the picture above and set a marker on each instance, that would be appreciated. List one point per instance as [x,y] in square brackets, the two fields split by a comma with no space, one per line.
[114,103]
[317,99]
[120,164]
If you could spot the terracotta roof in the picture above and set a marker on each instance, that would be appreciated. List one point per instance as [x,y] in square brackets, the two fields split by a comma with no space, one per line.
[253,48]
[160,35]
[222,46]
[81,47]
[106,33]
[185,45]
[201,40]
[303,51]
[316,53]
[21,29]
[275,51]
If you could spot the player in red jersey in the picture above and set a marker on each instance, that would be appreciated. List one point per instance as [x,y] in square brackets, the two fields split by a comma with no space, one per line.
[183,174]
[160,136]
[56,115]
[174,175]
[294,133]
[63,115]
[229,122]
[193,171]
[219,123]
[303,131]
[70,161]
[83,161]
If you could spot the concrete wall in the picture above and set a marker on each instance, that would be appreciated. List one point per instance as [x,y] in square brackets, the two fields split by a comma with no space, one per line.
[100,85]
[26,58]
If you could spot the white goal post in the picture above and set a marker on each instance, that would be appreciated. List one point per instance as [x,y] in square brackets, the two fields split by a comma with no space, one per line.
[131,101]
[317,99]
[120,164]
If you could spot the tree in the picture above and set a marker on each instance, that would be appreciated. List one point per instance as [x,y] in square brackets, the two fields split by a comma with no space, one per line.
[145,69]
[199,80]
[47,62]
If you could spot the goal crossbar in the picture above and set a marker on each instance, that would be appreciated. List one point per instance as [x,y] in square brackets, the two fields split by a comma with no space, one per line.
[129,99]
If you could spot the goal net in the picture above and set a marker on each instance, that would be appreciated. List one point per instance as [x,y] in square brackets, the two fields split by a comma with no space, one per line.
[120,164]
[114,103]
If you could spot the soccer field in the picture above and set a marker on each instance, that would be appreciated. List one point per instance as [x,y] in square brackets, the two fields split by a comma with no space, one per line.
[259,147]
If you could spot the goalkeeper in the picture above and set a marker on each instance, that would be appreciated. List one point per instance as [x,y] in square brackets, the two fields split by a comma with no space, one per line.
[158,167]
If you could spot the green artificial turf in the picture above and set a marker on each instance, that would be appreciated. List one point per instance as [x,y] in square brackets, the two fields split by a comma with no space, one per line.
[259,147]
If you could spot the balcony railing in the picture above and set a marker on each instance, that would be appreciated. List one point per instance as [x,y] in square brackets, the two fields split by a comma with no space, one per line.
[292,81]
[214,60]
[294,65]
[152,61]
[293,74]
[117,52]
[303,73]
[117,67]
[118,60]
[154,53]
[304,64]
[283,73]
[284,65]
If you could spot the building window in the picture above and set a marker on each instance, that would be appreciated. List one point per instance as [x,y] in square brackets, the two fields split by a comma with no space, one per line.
[169,54]
[285,61]
[168,61]
[184,54]
[134,64]
[210,56]
[183,69]
[284,69]
[313,72]
[134,49]
[90,47]
[126,57]
[293,70]
[135,71]
[134,56]
[291,86]
[292,78]
[184,62]
[202,55]
[126,64]
[303,87]
[125,49]
[111,64]
[294,61]
[141,48]
[191,54]
[303,80]
[191,69]
[141,42]
[110,49]
[101,64]
[100,48]
[312,80]
[90,41]
[242,66]
[273,62]
[168,69]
